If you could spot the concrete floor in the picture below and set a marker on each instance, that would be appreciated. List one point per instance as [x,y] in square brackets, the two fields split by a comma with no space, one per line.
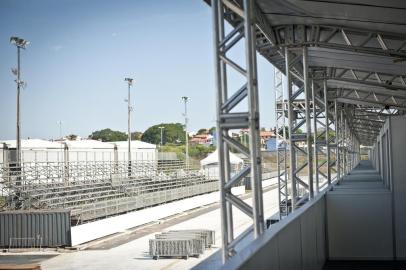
[24,258]
[365,265]
[134,254]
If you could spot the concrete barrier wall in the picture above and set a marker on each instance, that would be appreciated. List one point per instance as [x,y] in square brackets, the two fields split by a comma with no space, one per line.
[94,230]
[297,242]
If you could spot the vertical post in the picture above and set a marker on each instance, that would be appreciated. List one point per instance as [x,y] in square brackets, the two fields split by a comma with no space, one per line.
[66,162]
[316,145]
[18,146]
[292,153]
[338,137]
[308,123]
[216,10]
[227,169]
[327,124]
[129,130]
[161,128]
[129,82]
[161,136]
[343,144]
[283,194]
[227,120]
[252,85]
[185,100]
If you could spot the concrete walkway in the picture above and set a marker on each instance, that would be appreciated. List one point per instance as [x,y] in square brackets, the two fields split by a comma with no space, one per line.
[134,254]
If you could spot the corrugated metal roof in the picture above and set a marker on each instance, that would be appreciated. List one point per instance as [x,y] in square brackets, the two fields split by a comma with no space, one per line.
[360,45]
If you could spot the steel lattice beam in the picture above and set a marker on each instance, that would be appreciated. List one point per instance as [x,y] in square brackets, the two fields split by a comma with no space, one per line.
[339,38]
[228,120]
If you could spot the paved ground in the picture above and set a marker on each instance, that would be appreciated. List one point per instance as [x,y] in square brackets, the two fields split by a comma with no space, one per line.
[131,251]
[23,258]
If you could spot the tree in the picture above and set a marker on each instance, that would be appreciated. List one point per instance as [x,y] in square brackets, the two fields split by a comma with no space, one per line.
[172,133]
[108,135]
[202,131]
[72,137]
[212,130]
[136,135]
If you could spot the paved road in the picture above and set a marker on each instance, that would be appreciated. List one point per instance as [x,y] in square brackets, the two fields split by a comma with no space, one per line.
[134,254]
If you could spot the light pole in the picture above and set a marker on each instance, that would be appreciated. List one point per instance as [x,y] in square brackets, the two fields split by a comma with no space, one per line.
[185,100]
[20,44]
[161,128]
[129,82]
[60,136]
[60,128]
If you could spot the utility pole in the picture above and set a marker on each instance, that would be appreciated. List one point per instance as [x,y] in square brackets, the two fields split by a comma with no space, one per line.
[20,44]
[129,82]
[60,137]
[185,100]
[161,128]
[60,128]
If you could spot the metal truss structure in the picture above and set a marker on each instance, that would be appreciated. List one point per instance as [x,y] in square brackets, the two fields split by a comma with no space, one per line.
[97,189]
[228,119]
[342,78]
[300,153]
[281,145]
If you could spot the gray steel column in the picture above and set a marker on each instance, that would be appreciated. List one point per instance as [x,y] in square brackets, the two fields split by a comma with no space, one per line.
[316,152]
[307,93]
[227,169]
[227,120]
[292,153]
[283,194]
[337,129]
[66,162]
[327,123]
[253,104]
[343,141]
[216,9]
[18,145]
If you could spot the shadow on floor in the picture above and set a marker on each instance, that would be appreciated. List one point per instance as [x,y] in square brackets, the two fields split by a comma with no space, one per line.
[365,265]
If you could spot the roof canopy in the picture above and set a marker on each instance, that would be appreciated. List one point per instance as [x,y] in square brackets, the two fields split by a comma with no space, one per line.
[33,144]
[213,158]
[357,46]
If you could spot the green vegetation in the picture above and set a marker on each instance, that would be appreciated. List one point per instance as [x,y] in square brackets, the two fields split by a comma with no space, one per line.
[172,133]
[196,152]
[72,137]
[108,135]
[202,131]
[136,135]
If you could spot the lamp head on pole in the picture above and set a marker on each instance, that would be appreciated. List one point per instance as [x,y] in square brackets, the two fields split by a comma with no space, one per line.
[129,81]
[19,42]
[185,99]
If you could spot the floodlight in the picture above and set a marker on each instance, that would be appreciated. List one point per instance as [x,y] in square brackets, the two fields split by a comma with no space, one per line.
[129,80]
[19,42]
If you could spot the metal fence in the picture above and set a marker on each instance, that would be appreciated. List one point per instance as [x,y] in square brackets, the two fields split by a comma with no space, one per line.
[97,189]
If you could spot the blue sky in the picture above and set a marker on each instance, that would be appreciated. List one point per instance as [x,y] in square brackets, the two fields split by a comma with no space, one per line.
[81,51]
